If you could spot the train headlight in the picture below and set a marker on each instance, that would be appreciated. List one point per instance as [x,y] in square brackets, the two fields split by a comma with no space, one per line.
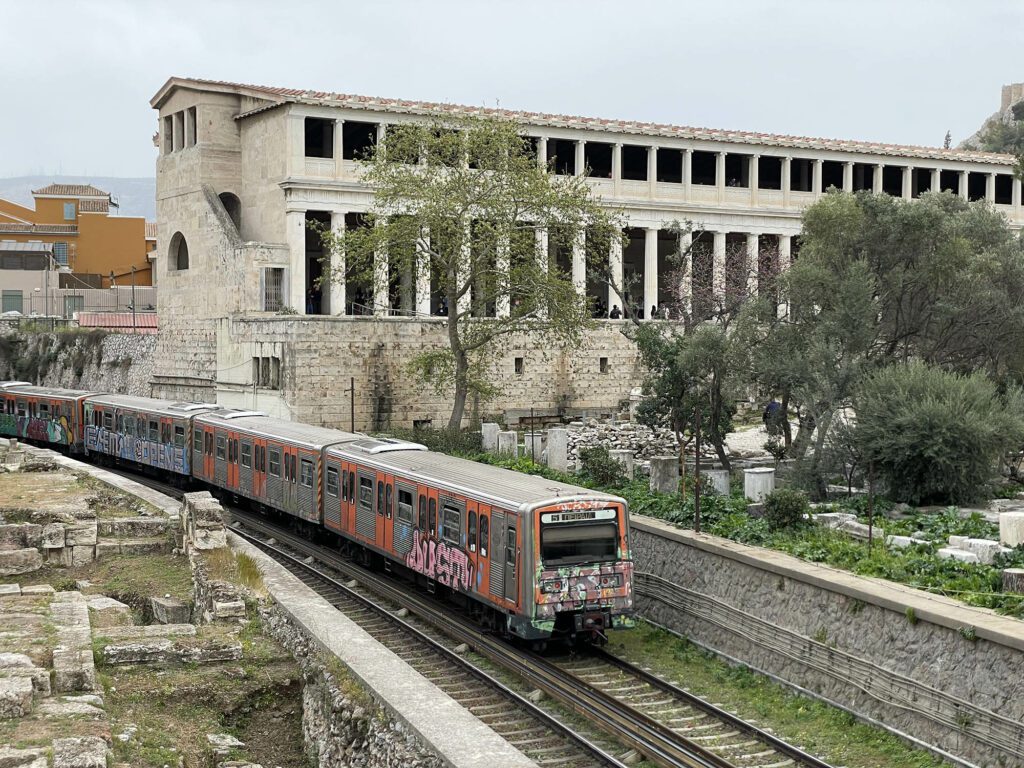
[554,585]
[611,581]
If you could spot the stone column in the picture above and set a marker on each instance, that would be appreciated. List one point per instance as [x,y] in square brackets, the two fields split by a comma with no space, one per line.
[489,436]
[615,267]
[717,479]
[718,268]
[963,185]
[848,176]
[508,443]
[579,262]
[876,180]
[936,179]
[542,151]
[382,132]
[423,274]
[688,172]
[339,152]
[758,483]
[908,182]
[581,161]
[296,131]
[625,458]
[753,263]
[816,178]
[652,172]
[541,236]
[617,169]
[650,270]
[558,449]
[336,288]
[785,259]
[665,474]
[990,187]
[787,179]
[1016,196]
[295,226]
[1011,528]
[686,289]
[502,305]
[533,446]
[381,281]
[720,175]
[755,177]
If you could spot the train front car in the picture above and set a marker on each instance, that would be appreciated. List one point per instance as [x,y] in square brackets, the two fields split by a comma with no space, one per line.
[43,415]
[583,571]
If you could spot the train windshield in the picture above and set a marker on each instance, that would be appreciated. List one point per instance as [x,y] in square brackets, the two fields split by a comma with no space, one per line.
[579,543]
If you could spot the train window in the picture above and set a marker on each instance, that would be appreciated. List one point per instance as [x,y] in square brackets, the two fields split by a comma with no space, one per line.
[22,410]
[344,484]
[484,533]
[119,424]
[365,493]
[471,531]
[432,517]
[222,448]
[389,510]
[510,547]
[570,544]
[153,431]
[129,426]
[10,406]
[32,410]
[275,462]
[294,474]
[246,454]
[332,482]
[233,451]
[404,507]
[380,498]
[423,513]
[451,523]
[108,420]
[44,411]
[179,437]
[197,442]
[351,486]
[307,473]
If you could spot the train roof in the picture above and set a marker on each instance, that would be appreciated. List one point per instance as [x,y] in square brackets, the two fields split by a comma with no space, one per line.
[152,405]
[258,423]
[512,490]
[27,388]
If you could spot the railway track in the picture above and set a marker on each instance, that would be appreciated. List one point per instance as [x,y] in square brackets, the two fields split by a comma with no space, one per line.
[652,717]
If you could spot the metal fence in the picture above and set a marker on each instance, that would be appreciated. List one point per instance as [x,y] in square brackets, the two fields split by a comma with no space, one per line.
[65,302]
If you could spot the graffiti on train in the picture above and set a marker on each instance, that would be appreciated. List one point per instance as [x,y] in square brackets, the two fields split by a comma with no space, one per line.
[44,430]
[441,561]
[163,455]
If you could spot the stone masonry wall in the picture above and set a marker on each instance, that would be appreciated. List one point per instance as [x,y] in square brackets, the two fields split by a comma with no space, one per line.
[904,662]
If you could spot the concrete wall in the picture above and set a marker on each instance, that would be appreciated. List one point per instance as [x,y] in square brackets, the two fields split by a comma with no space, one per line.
[900,656]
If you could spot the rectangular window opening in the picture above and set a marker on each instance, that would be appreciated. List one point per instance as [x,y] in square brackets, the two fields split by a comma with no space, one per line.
[634,162]
[358,140]
[769,172]
[319,134]
[597,157]
[704,168]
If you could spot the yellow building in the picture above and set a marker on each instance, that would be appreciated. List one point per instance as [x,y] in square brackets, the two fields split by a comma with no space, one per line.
[76,219]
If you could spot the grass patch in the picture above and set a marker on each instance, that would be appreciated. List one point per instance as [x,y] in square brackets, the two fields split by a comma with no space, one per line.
[223,564]
[818,728]
[107,502]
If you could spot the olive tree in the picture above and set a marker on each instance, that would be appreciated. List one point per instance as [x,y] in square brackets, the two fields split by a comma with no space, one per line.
[462,204]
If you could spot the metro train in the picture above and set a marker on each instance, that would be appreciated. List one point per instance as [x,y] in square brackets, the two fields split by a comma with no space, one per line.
[533,558]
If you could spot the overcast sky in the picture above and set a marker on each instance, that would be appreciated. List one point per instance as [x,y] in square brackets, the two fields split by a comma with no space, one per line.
[76,78]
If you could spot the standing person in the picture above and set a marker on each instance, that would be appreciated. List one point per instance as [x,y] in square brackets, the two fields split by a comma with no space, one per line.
[616,313]
[771,415]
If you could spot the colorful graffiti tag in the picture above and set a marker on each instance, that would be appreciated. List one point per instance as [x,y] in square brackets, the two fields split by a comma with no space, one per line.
[441,561]
[163,455]
[44,430]
[605,585]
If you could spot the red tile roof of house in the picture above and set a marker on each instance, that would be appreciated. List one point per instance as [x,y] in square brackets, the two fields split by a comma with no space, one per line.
[145,322]
[94,206]
[71,190]
[283,95]
[40,229]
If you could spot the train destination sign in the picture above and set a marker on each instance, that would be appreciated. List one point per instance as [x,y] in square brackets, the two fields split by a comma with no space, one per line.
[577,516]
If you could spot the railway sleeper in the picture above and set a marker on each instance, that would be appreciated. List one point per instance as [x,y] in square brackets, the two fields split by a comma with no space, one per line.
[712,737]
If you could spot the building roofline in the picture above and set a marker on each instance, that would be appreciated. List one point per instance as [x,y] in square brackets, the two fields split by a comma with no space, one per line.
[278,96]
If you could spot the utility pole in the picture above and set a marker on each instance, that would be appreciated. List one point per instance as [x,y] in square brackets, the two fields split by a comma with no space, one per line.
[352,402]
[696,472]
[133,299]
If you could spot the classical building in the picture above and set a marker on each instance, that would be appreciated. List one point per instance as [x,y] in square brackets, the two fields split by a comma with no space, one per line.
[243,169]
[76,220]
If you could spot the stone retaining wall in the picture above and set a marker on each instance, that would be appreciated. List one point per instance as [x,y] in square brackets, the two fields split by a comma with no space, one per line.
[920,664]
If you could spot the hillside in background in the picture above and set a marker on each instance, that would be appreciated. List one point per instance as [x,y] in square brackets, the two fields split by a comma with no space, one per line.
[137,197]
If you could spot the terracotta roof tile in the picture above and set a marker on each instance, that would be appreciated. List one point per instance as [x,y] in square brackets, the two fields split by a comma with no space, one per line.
[151,230]
[39,229]
[94,206]
[71,190]
[621,126]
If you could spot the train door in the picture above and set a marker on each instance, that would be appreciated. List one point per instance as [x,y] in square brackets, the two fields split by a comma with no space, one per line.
[208,458]
[349,498]
[381,506]
[233,461]
[288,478]
[497,570]
[482,575]
[259,468]
[389,512]
[366,518]
[511,560]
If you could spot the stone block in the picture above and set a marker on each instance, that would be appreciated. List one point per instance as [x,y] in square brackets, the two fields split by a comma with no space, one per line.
[15,697]
[167,610]
[80,534]
[719,479]
[9,590]
[558,449]
[665,474]
[20,535]
[148,546]
[508,443]
[833,519]
[23,758]
[81,752]
[625,458]
[20,665]
[954,553]
[230,609]
[132,527]
[900,542]
[108,612]
[18,561]
[53,536]
[861,530]
[150,631]
[985,549]
[1011,529]
[73,670]
[959,542]
[66,708]
[38,589]
[206,539]
[489,436]
[758,483]
[107,548]
[82,554]
[152,651]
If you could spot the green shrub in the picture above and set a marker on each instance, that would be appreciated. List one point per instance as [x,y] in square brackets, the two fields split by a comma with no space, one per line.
[599,468]
[785,508]
[936,437]
[451,441]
